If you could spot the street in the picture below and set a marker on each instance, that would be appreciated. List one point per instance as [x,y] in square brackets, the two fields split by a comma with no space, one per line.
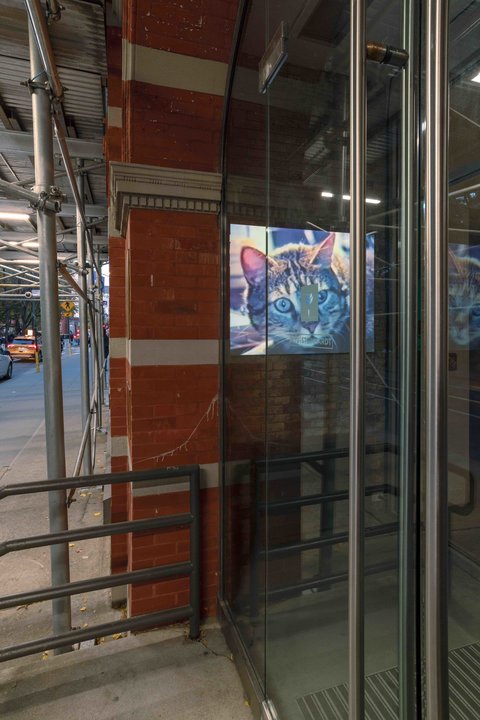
[22,407]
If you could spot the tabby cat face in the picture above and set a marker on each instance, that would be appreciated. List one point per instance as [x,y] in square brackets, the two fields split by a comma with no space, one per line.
[464,300]
[274,287]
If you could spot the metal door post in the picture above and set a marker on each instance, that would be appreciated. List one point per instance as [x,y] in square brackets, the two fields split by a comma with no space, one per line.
[356,551]
[408,375]
[52,367]
[83,313]
[436,351]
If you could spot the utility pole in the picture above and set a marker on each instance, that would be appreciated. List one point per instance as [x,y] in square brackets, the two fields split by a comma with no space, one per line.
[52,368]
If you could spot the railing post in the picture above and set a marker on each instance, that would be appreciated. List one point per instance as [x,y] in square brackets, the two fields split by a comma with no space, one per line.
[195,553]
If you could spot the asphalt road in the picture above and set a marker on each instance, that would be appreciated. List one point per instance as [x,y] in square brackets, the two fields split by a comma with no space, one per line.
[22,404]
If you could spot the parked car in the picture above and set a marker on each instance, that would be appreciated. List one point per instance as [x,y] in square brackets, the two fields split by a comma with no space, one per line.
[6,364]
[24,347]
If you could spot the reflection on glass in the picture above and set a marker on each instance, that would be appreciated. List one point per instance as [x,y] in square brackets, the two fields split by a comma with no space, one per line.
[305,334]
[244,379]
[463,584]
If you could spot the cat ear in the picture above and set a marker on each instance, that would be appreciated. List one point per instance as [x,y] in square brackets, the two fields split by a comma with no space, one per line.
[321,255]
[253,264]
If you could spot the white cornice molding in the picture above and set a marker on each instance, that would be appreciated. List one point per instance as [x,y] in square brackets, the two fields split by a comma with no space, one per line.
[159,188]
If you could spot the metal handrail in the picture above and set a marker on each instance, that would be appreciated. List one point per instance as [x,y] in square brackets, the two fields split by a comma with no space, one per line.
[325,500]
[190,568]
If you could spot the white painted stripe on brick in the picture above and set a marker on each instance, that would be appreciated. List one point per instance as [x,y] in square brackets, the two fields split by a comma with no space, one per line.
[209,475]
[119,445]
[115,118]
[209,478]
[173,352]
[118,348]
[112,230]
[169,69]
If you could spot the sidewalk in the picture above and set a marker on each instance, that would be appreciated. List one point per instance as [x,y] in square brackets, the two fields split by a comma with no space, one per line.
[154,675]
[136,678]
[28,515]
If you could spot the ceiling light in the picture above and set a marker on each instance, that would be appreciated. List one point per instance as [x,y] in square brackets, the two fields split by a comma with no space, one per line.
[326,194]
[14,216]
[370,201]
[476,78]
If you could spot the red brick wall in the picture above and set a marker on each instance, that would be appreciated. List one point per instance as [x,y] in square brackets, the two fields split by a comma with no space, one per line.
[173,128]
[171,546]
[113,135]
[174,275]
[199,28]
[164,285]
[173,419]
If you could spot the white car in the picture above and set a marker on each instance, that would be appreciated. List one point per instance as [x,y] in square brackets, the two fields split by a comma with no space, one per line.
[6,364]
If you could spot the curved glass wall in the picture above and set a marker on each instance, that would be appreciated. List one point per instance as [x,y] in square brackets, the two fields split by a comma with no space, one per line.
[287,363]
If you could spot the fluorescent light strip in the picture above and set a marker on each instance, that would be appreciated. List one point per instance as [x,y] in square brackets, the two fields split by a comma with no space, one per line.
[370,201]
[14,216]
[476,78]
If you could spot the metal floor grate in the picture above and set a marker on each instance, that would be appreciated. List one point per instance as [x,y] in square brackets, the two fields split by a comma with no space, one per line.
[381,692]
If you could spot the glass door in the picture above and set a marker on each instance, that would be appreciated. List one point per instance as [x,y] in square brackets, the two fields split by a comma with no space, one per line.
[351,561]
[462,258]
[314,370]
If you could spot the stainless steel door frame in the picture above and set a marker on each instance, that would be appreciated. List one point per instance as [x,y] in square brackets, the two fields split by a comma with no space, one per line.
[436,350]
[356,569]
[408,591]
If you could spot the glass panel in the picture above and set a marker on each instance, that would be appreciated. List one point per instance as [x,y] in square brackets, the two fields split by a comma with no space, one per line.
[464,361]
[243,373]
[307,337]
[307,340]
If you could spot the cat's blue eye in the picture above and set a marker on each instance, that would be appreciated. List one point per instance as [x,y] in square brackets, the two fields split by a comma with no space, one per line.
[322,296]
[476,310]
[283,305]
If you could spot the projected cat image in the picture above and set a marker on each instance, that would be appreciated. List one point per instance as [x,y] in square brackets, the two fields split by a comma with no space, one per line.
[296,298]
[464,296]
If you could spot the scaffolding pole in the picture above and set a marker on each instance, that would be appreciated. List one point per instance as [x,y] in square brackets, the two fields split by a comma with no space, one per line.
[83,313]
[52,369]
[101,349]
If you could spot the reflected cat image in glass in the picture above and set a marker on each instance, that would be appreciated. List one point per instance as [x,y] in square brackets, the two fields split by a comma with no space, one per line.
[296,298]
[292,324]
[464,296]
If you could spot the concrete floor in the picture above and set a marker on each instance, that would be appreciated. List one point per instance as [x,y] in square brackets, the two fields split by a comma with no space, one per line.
[143,677]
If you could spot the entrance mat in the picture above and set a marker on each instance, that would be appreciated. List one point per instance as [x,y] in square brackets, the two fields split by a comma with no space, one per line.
[381,692]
